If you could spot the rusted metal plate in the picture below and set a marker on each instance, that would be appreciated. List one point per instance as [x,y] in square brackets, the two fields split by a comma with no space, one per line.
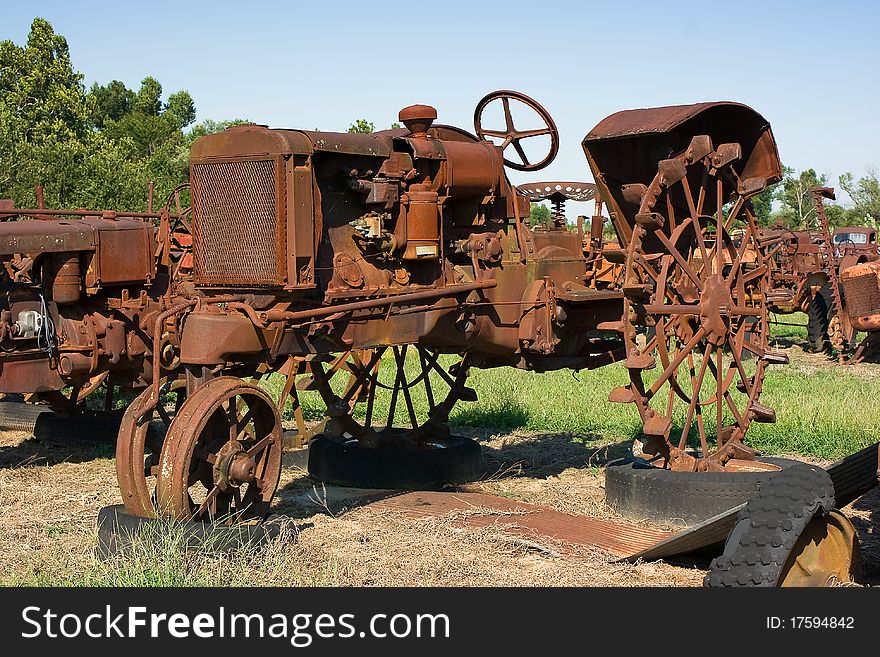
[653,119]
[713,531]
[45,236]
[527,520]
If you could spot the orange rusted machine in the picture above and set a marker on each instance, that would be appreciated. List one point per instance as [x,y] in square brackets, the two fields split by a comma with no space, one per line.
[396,261]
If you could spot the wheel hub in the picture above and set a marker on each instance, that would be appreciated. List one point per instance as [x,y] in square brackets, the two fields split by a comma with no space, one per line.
[716,300]
[233,466]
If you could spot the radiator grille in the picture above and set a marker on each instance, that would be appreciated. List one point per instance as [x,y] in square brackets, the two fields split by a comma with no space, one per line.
[235,223]
[862,294]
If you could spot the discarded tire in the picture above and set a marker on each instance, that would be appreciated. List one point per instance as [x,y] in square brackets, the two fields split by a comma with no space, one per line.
[635,489]
[817,323]
[348,464]
[119,531]
[20,416]
[43,423]
[768,527]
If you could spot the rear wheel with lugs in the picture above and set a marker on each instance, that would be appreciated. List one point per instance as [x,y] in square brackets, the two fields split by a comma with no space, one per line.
[695,318]
[387,423]
[789,534]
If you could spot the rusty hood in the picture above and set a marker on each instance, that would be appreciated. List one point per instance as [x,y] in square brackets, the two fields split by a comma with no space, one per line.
[626,147]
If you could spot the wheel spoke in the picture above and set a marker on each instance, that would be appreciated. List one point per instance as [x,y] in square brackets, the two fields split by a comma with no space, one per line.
[680,356]
[679,259]
[260,445]
[401,364]
[519,151]
[243,423]
[508,119]
[695,396]
[210,502]
[525,134]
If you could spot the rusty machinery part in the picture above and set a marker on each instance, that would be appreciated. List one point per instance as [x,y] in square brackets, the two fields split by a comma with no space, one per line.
[818,319]
[569,191]
[298,377]
[788,534]
[861,286]
[840,333]
[368,379]
[558,192]
[179,238]
[139,446]
[511,136]
[221,459]
[695,318]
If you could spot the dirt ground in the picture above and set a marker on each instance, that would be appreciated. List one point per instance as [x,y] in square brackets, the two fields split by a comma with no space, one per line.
[51,491]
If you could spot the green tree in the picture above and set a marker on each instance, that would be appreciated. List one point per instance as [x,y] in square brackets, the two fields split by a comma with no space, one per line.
[865,193]
[43,95]
[209,127]
[89,149]
[798,209]
[539,214]
[762,204]
[111,102]
[362,126]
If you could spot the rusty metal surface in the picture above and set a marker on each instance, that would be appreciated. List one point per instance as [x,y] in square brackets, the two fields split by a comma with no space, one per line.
[235,215]
[827,553]
[708,533]
[528,521]
[624,149]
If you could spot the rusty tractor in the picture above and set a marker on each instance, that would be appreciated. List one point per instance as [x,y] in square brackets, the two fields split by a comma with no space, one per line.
[806,275]
[861,286]
[343,261]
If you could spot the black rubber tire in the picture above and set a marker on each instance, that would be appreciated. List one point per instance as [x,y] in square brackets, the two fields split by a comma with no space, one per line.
[348,464]
[637,490]
[768,527]
[85,428]
[817,322]
[43,423]
[20,416]
[117,528]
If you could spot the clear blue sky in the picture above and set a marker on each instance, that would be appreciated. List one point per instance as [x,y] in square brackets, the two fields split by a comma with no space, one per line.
[811,68]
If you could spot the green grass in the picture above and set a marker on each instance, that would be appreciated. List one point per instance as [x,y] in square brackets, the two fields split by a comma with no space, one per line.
[161,555]
[789,326]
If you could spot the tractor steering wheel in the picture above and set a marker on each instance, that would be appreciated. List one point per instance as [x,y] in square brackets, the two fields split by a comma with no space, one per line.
[510,136]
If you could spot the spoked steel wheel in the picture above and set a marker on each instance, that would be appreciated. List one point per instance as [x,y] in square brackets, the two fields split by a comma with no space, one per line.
[221,459]
[138,449]
[695,319]
[423,391]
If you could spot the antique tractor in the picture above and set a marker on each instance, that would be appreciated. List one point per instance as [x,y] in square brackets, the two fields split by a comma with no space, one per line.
[806,271]
[332,257]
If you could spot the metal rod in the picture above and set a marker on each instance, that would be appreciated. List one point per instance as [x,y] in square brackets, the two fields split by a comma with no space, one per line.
[448,291]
